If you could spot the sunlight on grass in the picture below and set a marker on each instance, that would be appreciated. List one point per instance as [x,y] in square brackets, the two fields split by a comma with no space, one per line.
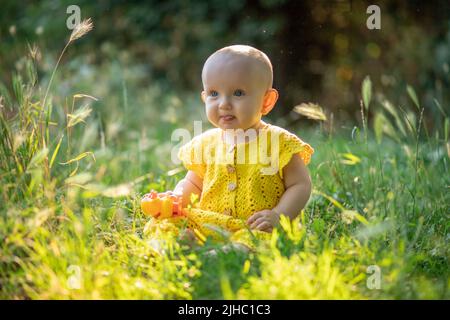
[72,175]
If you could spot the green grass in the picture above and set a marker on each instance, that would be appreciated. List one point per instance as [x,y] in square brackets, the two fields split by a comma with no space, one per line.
[72,176]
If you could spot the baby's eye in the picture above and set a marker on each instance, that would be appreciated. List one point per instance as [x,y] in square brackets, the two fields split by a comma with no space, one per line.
[213,93]
[239,93]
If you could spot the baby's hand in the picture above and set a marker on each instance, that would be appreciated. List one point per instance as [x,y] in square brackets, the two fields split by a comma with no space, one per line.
[264,220]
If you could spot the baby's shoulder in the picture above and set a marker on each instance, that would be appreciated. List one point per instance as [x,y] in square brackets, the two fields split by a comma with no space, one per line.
[283,133]
[208,137]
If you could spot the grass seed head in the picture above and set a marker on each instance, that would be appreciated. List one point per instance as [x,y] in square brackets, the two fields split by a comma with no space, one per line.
[81,29]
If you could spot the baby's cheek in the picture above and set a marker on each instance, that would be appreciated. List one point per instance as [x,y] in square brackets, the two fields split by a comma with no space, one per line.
[210,112]
[211,108]
[212,116]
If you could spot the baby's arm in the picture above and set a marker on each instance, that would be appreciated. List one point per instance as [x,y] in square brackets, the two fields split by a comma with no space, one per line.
[191,183]
[297,183]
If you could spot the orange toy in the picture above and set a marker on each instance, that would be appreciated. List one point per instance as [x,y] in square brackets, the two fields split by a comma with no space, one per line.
[161,205]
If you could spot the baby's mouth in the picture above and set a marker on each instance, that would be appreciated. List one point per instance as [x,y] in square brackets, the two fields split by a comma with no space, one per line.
[227,118]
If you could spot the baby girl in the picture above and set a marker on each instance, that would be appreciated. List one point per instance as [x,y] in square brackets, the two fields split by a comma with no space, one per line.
[237,92]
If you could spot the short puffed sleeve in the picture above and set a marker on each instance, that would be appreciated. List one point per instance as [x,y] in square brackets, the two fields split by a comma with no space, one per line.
[290,144]
[191,156]
[199,152]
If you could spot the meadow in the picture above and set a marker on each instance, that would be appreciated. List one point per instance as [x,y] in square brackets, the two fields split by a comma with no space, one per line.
[74,167]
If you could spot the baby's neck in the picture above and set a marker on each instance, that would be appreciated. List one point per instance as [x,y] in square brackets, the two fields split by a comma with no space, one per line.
[237,136]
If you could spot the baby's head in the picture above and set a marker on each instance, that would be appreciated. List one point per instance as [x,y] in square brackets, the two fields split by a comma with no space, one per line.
[237,87]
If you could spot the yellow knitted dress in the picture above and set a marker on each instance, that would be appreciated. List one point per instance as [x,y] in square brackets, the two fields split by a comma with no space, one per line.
[239,179]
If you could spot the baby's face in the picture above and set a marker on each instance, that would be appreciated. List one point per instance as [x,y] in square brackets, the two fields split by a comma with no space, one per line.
[234,90]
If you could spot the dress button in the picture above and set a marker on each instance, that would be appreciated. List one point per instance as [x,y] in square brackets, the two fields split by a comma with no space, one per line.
[231,186]
[230,168]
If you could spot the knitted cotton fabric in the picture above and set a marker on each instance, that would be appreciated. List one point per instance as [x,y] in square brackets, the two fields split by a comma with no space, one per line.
[239,179]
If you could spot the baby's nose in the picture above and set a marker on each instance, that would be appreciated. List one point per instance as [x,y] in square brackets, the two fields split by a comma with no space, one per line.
[225,103]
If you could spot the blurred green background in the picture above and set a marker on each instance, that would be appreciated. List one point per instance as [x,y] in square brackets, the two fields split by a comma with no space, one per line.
[321,50]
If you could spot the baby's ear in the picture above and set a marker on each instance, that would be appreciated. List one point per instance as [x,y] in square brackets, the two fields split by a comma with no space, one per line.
[203,95]
[270,98]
